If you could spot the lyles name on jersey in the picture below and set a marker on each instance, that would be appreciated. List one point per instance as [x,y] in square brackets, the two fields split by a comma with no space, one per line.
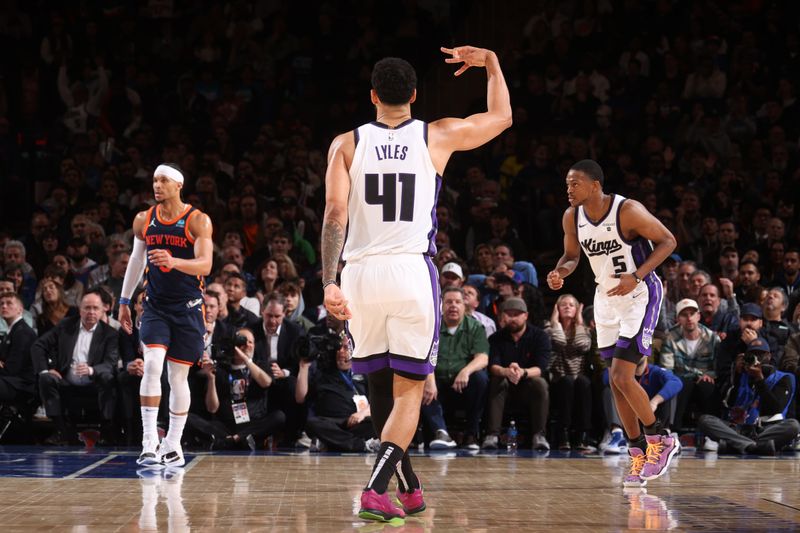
[391,151]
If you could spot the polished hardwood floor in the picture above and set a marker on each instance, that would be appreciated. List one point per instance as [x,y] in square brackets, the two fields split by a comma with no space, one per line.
[79,491]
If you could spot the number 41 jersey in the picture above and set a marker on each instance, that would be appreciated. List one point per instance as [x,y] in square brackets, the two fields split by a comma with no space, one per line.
[393,192]
[608,251]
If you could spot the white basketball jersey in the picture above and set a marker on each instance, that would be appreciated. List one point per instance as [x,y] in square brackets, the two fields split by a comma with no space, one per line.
[608,251]
[393,192]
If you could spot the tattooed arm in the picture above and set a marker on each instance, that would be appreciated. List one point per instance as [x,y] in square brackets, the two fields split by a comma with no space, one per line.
[337,190]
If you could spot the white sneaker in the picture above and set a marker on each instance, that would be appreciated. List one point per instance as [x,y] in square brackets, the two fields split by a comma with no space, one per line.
[150,454]
[40,414]
[372,445]
[443,441]
[540,443]
[169,456]
[304,441]
[616,444]
[490,442]
[710,445]
[796,444]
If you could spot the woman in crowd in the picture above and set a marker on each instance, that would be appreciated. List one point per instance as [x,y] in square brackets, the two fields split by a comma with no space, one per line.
[570,384]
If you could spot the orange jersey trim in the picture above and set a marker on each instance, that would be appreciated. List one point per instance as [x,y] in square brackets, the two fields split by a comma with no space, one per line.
[174,220]
[157,346]
[186,227]
[187,363]
[147,220]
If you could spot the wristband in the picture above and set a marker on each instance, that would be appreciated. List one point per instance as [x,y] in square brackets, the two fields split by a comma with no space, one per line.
[329,282]
[124,301]
[636,277]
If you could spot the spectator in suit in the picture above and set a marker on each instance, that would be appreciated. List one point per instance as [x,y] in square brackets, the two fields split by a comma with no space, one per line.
[7,286]
[16,368]
[275,339]
[518,356]
[77,358]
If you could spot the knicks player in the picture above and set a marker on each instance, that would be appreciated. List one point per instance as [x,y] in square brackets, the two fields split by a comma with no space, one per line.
[382,185]
[617,235]
[172,246]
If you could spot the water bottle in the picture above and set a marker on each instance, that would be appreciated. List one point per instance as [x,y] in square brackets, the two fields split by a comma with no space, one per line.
[511,441]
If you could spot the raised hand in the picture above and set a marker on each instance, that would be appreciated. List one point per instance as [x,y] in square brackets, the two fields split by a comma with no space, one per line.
[554,280]
[469,55]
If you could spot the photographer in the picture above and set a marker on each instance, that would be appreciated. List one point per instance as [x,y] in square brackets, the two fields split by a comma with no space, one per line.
[236,396]
[341,413]
[759,400]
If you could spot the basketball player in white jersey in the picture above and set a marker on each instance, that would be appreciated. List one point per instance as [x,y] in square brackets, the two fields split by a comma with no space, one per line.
[617,235]
[382,184]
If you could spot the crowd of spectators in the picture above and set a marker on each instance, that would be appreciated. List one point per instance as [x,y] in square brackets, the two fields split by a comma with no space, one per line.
[690,107]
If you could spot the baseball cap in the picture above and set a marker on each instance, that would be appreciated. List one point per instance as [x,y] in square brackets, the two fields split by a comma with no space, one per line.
[759,344]
[752,309]
[686,303]
[675,258]
[453,268]
[514,304]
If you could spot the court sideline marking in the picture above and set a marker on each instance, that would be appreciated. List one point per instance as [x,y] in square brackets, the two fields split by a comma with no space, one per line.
[193,462]
[90,467]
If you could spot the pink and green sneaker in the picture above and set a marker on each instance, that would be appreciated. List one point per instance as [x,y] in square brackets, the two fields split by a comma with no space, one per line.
[412,501]
[376,506]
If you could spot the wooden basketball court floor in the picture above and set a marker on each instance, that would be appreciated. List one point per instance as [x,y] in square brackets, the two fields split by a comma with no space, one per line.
[74,490]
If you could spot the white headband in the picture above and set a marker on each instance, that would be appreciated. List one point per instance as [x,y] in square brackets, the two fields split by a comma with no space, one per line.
[172,173]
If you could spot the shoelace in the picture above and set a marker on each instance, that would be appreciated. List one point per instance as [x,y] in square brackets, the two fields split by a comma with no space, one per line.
[654,452]
[637,463]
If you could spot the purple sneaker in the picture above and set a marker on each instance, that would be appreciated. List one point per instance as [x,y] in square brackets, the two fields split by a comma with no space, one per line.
[412,501]
[376,506]
[660,451]
[634,478]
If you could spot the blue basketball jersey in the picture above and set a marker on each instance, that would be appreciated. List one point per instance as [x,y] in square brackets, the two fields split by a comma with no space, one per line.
[165,286]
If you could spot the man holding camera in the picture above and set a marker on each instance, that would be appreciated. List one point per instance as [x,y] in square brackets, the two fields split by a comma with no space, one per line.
[759,401]
[236,396]
[342,419]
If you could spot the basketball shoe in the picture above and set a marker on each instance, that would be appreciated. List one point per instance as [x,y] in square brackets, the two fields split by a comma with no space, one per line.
[169,456]
[660,451]
[376,506]
[149,455]
[634,478]
[412,502]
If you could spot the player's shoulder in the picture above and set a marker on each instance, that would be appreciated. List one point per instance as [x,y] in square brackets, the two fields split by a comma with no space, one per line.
[568,218]
[632,207]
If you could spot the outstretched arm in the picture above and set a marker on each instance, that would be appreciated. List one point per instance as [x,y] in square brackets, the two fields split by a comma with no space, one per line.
[334,223]
[133,274]
[572,252]
[449,135]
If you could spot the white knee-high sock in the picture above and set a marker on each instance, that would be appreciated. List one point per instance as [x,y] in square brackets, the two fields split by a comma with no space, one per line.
[179,401]
[151,387]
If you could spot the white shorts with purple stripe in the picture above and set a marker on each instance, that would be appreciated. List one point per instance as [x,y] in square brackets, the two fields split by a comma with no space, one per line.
[623,320]
[396,311]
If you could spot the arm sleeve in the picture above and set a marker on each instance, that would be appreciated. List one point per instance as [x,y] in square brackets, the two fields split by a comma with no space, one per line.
[135,268]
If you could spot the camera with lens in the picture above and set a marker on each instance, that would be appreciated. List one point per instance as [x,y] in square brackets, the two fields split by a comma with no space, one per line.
[320,345]
[226,350]
[750,359]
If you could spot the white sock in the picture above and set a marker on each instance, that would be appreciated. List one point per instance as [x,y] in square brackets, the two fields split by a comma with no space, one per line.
[149,427]
[176,424]
[180,399]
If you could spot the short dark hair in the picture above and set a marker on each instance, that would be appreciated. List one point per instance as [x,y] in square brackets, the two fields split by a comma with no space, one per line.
[394,80]
[591,169]
[236,275]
